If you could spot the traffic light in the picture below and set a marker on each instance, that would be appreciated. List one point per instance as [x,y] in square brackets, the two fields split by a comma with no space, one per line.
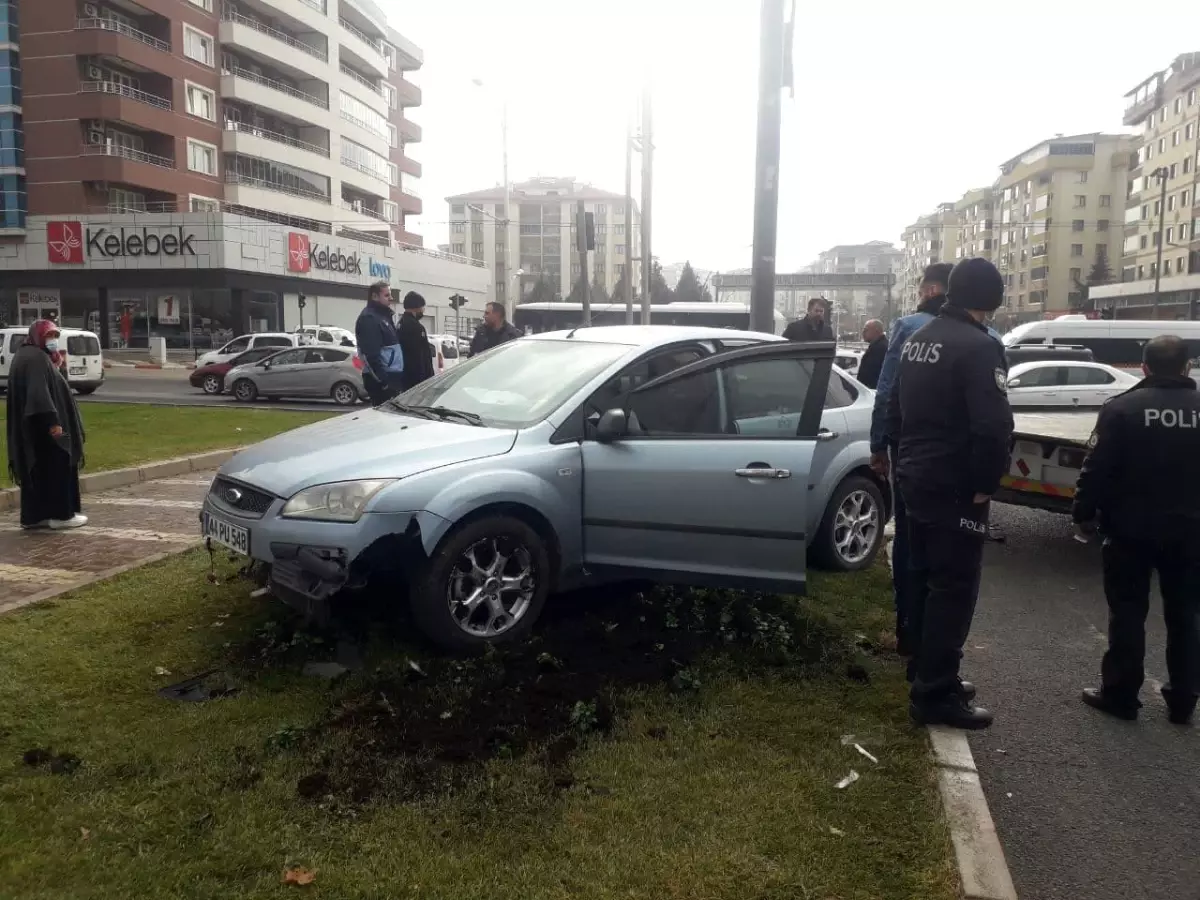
[301,301]
[457,301]
[590,230]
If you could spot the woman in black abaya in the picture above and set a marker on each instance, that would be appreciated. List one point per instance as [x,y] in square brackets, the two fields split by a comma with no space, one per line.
[45,434]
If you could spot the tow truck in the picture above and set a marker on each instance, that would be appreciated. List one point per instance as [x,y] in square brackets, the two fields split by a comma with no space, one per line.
[1047,453]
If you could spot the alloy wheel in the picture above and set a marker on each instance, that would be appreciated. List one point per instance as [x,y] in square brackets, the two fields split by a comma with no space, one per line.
[491,586]
[856,527]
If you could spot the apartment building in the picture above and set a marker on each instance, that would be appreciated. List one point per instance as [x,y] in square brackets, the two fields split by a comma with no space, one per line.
[1058,220]
[932,238]
[852,307]
[288,111]
[539,243]
[975,224]
[1161,196]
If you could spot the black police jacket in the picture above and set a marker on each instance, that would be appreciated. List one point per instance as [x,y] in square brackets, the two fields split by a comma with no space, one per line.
[949,409]
[486,338]
[379,343]
[418,357]
[1141,478]
[803,330]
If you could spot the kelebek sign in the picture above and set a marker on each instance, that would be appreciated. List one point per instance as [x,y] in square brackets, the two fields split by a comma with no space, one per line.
[66,242]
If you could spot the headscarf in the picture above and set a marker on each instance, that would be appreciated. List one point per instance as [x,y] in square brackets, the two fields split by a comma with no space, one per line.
[38,332]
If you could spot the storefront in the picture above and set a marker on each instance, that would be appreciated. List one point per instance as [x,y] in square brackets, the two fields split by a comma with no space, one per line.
[198,279]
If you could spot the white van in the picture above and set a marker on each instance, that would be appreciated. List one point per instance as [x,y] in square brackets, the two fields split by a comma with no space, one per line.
[1116,342]
[85,362]
[251,342]
[328,334]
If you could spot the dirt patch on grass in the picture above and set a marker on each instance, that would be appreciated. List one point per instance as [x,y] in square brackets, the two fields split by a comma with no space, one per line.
[413,729]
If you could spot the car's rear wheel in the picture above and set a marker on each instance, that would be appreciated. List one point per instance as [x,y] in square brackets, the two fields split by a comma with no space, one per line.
[486,584]
[344,394]
[212,384]
[245,390]
[84,391]
[851,531]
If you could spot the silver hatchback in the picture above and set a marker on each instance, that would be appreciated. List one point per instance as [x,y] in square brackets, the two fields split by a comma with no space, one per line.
[325,371]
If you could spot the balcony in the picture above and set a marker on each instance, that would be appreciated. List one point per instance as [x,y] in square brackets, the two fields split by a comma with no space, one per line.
[129,153]
[272,95]
[121,28]
[259,37]
[370,86]
[409,94]
[362,209]
[237,178]
[410,131]
[412,205]
[405,164]
[248,140]
[364,90]
[115,164]
[363,49]
[124,90]
[282,199]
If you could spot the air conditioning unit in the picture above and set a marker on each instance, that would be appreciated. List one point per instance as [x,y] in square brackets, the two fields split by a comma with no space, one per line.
[95,125]
[95,137]
[91,11]
[95,73]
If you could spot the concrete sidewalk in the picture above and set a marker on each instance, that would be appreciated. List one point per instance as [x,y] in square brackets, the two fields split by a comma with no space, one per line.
[129,526]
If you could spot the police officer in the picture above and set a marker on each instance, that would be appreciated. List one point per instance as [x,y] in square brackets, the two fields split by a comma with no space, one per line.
[1140,486]
[950,412]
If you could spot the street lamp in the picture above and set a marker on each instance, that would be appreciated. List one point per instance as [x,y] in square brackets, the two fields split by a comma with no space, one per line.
[479,83]
[1161,174]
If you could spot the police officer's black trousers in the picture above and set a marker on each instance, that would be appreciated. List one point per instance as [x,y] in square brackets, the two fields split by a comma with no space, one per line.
[901,579]
[377,392]
[1127,568]
[944,566]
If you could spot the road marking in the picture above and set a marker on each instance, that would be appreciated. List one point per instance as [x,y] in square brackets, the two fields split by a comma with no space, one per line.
[121,534]
[144,501]
[199,482]
[37,575]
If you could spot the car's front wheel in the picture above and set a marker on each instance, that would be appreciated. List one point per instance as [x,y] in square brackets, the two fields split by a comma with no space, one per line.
[212,384]
[851,531]
[245,390]
[486,583]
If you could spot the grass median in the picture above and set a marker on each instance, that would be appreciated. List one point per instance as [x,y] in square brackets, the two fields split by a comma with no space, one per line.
[121,435]
[491,778]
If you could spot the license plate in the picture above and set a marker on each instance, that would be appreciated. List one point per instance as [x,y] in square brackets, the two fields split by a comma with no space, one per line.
[235,537]
[78,370]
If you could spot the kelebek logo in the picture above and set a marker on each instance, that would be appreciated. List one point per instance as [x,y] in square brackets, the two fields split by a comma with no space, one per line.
[299,254]
[64,242]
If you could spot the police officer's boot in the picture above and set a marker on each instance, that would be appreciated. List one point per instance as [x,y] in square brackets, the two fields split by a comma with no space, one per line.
[1179,709]
[1097,699]
[953,710]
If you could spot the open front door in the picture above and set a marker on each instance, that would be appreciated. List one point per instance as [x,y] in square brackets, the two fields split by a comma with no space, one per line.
[710,483]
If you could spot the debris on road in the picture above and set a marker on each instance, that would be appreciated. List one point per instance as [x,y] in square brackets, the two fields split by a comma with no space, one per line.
[849,780]
[159,670]
[206,686]
[299,876]
[836,831]
[863,751]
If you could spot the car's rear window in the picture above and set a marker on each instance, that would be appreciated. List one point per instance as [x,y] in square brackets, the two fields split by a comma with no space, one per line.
[83,345]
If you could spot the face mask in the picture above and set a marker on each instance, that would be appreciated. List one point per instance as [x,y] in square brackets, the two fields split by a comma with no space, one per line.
[52,345]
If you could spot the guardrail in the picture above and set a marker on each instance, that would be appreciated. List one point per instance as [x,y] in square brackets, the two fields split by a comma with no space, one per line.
[124,90]
[365,211]
[354,120]
[232,15]
[129,153]
[250,181]
[375,43]
[346,70]
[244,128]
[274,85]
[121,28]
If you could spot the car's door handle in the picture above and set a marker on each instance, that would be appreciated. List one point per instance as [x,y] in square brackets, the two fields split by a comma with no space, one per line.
[826,435]
[762,470]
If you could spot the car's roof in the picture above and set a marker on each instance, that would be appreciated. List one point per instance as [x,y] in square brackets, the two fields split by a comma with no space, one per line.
[650,335]
[1069,363]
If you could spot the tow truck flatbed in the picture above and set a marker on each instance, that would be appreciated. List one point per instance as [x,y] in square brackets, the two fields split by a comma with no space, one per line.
[1047,454]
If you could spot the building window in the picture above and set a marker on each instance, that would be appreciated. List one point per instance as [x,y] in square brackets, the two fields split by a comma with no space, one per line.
[1102,225]
[1077,249]
[619,230]
[206,5]
[393,141]
[1142,242]
[477,249]
[1162,145]
[1077,225]
[197,203]
[201,102]
[389,93]
[601,208]
[1192,97]
[1106,200]
[499,288]
[619,249]
[389,53]
[1080,201]
[1178,105]
[458,228]
[1175,138]
[1166,267]
[457,249]
[1081,177]
[197,45]
[202,157]
[1187,165]
[1076,275]
[456,209]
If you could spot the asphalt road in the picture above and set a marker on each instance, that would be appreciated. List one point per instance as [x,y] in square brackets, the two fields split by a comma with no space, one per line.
[170,387]
[1086,806]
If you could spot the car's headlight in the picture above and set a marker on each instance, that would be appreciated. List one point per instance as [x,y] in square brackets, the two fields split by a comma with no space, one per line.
[343,501]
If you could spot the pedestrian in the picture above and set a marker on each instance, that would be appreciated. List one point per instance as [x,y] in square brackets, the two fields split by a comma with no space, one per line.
[1140,487]
[45,434]
[494,331]
[414,342]
[949,408]
[813,326]
[871,363]
[379,345]
[932,294]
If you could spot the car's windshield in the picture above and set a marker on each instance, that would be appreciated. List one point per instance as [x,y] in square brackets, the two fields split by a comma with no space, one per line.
[1014,336]
[516,384]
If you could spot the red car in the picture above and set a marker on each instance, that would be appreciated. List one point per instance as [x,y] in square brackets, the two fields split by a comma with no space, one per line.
[211,379]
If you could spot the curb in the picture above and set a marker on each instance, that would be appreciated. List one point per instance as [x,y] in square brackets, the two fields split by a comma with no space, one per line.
[10,498]
[977,850]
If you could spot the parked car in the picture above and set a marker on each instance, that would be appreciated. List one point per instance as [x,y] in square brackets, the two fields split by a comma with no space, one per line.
[444,348]
[1014,356]
[211,378]
[310,371]
[681,454]
[1065,383]
[85,362]
[276,339]
[328,334]
[848,359]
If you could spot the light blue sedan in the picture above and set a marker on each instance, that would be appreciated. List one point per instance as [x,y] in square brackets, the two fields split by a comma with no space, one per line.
[687,455]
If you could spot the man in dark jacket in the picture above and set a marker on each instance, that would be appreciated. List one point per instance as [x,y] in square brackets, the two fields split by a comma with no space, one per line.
[949,408]
[872,361]
[813,326]
[414,342]
[379,345]
[494,331]
[1140,486]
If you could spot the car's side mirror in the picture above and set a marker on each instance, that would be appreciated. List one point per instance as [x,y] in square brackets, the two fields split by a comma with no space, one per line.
[1014,383]
[613,425]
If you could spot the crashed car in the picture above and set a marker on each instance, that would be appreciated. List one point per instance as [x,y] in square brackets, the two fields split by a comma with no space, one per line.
[696,456]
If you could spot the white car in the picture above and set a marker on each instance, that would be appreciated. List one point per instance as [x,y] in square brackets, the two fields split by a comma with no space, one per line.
[1065,383]
[445,351]
[847,360]
[328,334]
[85,362]
[246,342]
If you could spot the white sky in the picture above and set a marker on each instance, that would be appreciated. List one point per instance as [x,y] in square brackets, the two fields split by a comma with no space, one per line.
[899,106]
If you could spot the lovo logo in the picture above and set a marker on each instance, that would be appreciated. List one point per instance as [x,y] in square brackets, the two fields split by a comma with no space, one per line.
[299,253]
[64,242]
[380,270]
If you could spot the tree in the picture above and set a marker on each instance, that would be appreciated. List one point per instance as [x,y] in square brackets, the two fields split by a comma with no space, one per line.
[599,294]
[1101,273]
[689,290]
[660,291]
[541,292]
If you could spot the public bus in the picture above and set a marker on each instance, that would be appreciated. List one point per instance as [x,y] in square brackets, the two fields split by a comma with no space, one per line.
[1116,342]
[535,318]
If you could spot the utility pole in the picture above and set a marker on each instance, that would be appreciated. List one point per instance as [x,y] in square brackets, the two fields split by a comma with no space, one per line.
[1161,174]
[647,195]
[509,303]
[581,244]
[627,278]
[766,176]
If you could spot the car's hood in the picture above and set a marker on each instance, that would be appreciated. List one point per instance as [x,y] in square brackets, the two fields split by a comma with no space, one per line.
[368,444]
